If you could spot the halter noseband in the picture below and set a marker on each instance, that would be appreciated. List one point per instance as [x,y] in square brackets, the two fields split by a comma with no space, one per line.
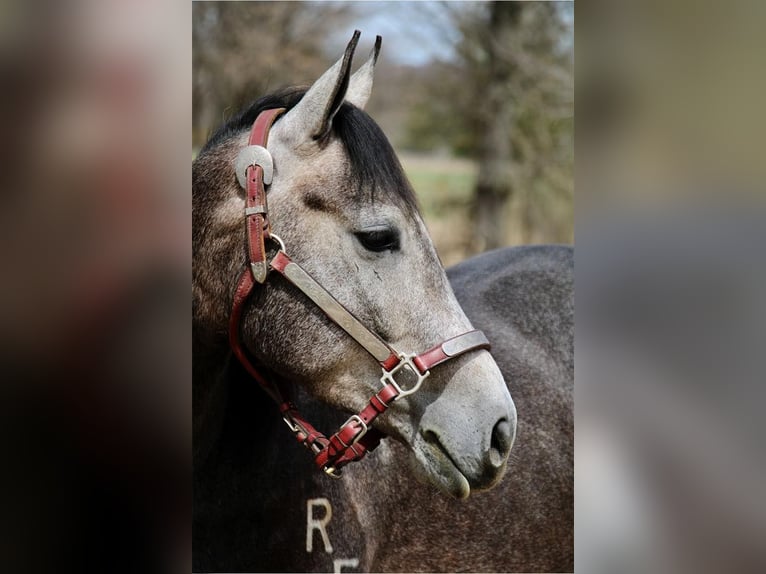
[356,436]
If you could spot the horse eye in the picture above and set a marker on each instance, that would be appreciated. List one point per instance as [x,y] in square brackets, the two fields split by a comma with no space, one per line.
[378,240]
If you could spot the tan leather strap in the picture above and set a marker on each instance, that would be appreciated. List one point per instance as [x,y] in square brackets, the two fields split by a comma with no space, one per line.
[299,277]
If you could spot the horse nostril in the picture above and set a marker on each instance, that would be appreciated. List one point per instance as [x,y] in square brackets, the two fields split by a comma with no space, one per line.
[500,445]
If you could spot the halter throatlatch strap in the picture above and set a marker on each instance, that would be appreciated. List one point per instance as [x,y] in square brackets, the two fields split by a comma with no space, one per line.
[241,295]
[356,436]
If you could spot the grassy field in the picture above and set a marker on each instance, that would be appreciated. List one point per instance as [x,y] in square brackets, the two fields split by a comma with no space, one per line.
[444,187]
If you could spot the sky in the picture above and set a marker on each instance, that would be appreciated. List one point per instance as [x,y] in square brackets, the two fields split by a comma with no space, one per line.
[414,33]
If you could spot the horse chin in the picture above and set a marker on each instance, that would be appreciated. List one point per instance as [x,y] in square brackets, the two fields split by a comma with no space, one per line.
[432,465]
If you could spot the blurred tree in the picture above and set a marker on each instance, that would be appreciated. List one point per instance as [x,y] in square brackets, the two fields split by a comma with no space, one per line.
[494,124]
[507,101]
[242,50]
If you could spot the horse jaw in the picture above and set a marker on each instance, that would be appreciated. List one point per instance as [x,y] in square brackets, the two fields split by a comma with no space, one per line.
[431,465]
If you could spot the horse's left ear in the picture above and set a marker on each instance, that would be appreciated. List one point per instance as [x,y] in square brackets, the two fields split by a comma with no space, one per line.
[360,85]
[311,118]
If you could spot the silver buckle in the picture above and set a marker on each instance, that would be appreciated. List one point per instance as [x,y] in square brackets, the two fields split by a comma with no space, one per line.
[358,436]
[405,361]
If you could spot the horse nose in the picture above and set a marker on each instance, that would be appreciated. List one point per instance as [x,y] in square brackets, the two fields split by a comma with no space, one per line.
[503,435]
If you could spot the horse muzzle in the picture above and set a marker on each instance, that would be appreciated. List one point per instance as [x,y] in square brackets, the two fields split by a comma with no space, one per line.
[464,444]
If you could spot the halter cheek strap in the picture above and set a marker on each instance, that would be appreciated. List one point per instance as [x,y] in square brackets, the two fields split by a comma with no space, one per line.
[254,167]
[296,275]
[356,436]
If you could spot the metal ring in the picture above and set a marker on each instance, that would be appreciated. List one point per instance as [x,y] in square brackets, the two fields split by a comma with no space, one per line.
[278,240]
[331,471]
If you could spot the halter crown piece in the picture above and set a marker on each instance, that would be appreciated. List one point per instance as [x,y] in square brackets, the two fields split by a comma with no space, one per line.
[356,436]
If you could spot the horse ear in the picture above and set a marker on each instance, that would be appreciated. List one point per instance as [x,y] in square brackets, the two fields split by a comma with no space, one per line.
[360,85]
[311,118]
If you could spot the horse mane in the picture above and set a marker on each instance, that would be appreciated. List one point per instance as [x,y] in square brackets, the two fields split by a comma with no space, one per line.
[373,162]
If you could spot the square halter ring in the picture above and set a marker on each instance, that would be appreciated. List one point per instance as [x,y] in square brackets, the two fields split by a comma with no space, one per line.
[405,362]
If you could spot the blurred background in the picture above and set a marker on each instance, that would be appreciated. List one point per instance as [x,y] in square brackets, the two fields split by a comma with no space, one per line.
[476,98]
[671,283]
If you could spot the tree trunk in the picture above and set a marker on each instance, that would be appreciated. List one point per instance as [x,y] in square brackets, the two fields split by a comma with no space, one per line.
[493,186]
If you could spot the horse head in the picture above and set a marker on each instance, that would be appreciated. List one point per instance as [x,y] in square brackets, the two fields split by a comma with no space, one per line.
[342,206]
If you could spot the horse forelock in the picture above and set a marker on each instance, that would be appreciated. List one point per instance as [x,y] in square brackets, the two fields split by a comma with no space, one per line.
[373,165]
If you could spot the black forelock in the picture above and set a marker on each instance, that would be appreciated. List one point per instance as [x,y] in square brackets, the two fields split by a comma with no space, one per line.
[373,163]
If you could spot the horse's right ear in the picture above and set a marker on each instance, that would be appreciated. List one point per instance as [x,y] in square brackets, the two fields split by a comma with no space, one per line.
[360,85]
[311,119]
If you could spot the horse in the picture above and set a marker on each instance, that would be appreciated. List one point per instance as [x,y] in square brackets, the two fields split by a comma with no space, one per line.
[339,202]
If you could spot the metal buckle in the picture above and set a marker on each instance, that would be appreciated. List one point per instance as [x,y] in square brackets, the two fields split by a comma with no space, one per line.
[406,361]
[358,436]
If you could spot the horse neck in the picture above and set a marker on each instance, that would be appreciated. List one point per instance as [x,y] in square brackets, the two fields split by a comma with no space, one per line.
[226,398]
[209,392]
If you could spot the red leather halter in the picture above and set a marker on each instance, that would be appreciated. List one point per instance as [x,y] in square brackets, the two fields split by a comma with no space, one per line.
[356,436]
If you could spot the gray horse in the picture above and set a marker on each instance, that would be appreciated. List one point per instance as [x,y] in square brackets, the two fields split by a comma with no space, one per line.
[342,205]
